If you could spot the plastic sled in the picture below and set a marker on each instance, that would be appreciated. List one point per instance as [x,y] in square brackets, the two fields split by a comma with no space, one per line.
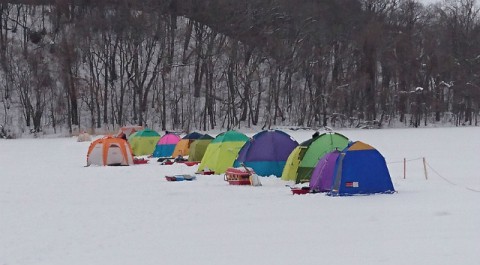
[238,176]
[139,161]
[167,162]
[180,178]
[301,190]
[191,163]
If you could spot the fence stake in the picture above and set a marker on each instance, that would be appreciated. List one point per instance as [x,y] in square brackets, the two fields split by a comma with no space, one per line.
[404,168]
[425,168]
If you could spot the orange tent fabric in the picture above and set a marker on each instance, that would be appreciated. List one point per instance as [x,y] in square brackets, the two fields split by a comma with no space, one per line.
[182,148]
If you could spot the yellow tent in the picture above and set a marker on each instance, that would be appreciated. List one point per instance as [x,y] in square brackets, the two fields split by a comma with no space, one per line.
[291,166]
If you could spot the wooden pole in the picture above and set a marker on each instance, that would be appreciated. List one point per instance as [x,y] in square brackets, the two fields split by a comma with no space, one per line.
[425,168]
[404,168]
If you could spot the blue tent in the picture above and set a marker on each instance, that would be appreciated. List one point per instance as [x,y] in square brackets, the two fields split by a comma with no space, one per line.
[266,152]
[361,169]
[193,136]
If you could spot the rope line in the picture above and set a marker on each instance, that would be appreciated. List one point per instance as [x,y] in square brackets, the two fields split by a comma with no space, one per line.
[435,171]
[438,174]
[474,190]
[395,162]
[447,180]
[413,159]
[408,160]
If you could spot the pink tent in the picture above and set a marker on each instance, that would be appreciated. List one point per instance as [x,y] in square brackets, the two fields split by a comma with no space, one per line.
[166,145]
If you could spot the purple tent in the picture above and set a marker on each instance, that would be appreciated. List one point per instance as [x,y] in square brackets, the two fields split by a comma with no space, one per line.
[322,175]
[266,152]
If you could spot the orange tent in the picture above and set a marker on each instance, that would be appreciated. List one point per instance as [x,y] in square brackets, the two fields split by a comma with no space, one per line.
[109,151]
[183,146]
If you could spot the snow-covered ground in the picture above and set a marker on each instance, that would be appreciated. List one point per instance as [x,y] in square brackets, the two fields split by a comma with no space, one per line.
[55,211]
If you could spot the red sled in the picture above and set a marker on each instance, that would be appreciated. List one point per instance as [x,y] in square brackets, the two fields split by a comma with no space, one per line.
[191,163]
[139,161]
[170,178]
[238,176]
[167,162]
[302,190]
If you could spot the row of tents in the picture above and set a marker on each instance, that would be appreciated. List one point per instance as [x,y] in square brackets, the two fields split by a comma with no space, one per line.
[330,162]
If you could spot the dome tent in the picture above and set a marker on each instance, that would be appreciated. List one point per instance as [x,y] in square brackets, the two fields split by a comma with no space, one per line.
[266,152]
[361,169]
[309,153]
[109,151]
[143,142]
[222,151]
[291,166]
[198,148]
[183,146]
[322,176]
[166,145]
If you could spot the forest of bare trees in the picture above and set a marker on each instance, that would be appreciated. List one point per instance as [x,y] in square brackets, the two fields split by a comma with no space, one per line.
[73,65]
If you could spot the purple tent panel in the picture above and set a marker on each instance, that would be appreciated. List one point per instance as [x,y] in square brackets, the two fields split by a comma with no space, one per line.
[322,175]
[267,152]
[272,145]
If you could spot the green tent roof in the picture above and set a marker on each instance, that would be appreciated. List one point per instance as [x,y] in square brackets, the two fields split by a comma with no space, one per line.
[309,141]
[222,151]
[143,142]
[206,137]
[230,136]
[316,148]
[146,133]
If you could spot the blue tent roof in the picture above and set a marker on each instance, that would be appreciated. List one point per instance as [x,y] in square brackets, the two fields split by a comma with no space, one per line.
[192,136]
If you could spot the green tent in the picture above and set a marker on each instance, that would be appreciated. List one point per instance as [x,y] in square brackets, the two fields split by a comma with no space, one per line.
[321,145]
[304,160]
[198,147]
[222,151]
[143,142]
